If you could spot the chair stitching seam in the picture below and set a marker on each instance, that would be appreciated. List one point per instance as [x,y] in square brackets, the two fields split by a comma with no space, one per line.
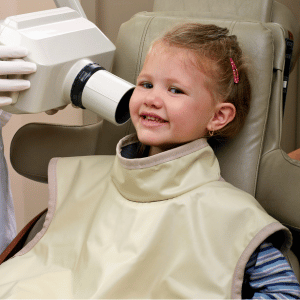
[265,125]
[141,46]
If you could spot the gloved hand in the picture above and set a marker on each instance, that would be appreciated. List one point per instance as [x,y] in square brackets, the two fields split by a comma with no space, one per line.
[14,65]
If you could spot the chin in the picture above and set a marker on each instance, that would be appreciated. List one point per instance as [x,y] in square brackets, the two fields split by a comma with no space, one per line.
[149,141]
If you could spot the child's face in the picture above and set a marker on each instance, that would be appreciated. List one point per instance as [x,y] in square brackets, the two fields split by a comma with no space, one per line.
[170,105]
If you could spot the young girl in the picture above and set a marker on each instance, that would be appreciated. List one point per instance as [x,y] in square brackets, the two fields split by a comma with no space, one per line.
[211,99]
[157,220]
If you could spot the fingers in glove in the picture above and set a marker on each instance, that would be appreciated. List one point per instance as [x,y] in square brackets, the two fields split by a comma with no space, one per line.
[13,52]
[5,101]
[17,67]
[14,85]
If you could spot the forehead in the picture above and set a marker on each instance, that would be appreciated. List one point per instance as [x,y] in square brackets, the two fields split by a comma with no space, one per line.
[162,51]
[165,60]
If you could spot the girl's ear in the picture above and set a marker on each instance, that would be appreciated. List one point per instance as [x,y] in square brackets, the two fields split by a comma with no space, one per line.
[224,114]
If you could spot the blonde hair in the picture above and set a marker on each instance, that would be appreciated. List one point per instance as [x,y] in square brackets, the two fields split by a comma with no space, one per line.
[213,48]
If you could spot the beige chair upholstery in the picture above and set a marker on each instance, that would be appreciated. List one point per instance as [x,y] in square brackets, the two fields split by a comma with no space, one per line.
[253,161]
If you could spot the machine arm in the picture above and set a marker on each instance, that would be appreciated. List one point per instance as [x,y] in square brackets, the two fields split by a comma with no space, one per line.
[74,4]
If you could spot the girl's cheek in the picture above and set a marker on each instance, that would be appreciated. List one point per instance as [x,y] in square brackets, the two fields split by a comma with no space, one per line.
[133,109]
[131,105]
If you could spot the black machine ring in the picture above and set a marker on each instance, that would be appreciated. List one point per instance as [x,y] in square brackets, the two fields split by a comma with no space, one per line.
[80,81]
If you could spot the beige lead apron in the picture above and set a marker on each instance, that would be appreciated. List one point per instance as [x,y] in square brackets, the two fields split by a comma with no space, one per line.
[164,226]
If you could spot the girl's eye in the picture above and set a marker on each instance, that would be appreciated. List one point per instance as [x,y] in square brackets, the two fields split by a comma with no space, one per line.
[176,91]
[147,85]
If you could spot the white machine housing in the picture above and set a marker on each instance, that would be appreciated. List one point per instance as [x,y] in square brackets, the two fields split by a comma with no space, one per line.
[61,42]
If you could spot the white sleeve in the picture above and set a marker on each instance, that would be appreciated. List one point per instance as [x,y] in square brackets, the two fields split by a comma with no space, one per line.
[4,118]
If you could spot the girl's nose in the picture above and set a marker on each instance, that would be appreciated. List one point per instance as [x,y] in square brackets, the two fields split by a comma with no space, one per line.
[153,100]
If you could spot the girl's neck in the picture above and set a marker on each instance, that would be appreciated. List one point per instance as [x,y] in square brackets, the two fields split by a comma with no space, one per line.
[154,150]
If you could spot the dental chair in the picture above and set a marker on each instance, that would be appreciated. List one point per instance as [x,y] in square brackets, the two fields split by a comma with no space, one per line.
[253,161]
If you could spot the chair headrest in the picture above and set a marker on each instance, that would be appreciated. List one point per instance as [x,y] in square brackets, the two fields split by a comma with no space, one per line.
[265,11]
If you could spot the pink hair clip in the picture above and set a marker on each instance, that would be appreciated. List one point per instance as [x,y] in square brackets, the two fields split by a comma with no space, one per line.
[236,77]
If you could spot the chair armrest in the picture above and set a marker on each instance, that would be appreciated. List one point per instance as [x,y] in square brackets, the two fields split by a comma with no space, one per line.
[278,188]
[35,144]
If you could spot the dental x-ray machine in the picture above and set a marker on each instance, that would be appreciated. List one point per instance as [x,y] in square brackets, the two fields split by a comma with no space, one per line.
[72,56]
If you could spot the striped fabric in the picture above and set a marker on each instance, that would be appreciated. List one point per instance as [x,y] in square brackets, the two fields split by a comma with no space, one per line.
[269,275]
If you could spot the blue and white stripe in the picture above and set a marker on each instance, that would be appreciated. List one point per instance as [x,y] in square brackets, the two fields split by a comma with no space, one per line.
[270,275]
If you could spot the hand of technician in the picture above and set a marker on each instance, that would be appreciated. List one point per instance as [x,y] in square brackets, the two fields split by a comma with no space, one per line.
[14,65]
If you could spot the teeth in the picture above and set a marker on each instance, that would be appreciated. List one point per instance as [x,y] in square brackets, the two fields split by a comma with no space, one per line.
[149,118]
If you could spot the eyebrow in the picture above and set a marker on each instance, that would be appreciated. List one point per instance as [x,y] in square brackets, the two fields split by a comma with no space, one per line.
[171,79]
[144,75]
